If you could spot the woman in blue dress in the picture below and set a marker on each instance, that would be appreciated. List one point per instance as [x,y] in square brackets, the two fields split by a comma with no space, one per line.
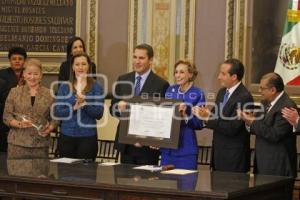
[79,104]
[186,155]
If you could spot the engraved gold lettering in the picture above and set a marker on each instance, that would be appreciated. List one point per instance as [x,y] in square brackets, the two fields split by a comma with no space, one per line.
[59,48]
[10,10]
[16,38]
[38,47]
[34,29]
[9,29]
[60,29]
[37,20]
[33,10]
[37,25]
[49,39]
[50,2]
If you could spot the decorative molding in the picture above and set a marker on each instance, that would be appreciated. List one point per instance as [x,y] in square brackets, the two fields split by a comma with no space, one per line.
[239,36]
[187,28]
[92,29]
[135,22]
[167,25]
[235,29]
[78,19]
[50,68]
[229,29]
[39,55]
[242,30]
[47,68]
[190,15]
[132,29]
[161,36]
[296,99]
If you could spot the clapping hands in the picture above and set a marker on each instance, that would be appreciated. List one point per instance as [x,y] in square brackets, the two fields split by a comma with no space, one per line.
[246,116]
[201,112]
[80,101]
[291,115]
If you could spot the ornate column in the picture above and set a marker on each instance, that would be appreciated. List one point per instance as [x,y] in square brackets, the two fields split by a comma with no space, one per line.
[167,25]
[92,29]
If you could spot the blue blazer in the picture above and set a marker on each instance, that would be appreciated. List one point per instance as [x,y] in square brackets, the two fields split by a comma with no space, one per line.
[187,140]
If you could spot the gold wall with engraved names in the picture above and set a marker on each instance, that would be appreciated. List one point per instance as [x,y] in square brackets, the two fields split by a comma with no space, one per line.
[86,27]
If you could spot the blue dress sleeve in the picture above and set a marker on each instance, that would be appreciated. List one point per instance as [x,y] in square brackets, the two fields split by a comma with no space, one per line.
[194,122]
[64,102]
[95,102]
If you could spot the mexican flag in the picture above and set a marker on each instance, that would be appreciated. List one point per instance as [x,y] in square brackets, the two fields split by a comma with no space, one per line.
[288,60]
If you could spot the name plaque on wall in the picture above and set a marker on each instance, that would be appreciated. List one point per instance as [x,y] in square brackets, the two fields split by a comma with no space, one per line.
[37,25]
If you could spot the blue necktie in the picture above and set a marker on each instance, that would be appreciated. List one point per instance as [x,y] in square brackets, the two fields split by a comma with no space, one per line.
[225,98]
[137,88]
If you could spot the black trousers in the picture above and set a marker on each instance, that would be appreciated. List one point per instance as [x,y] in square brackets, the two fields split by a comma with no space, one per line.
[78,147]
[3,141]
[139,156]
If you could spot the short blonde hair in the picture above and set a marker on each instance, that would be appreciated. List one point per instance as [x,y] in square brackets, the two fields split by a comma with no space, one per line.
[33,61]
[191,68]
[30,62]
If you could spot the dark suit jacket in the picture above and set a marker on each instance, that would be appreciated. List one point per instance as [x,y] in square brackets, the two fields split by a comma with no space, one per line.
[3,94]
[9,76]
[231,140]
[8,80]
[275,151]
[298,126]
[153,86]
[64,70]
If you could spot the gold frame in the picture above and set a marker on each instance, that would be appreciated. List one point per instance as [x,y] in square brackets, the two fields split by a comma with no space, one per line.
[92,29]
[236,29]
[55,55]
[171,142]
[187,31]
[238,40]
[51,61]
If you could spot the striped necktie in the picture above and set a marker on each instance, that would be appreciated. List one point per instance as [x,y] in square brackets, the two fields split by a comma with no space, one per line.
[267,107]
[137,88]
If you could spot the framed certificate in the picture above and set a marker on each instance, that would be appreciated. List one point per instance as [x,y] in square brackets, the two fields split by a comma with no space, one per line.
[151,122]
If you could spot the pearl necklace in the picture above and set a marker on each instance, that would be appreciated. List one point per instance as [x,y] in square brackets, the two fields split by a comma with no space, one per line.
[180,91]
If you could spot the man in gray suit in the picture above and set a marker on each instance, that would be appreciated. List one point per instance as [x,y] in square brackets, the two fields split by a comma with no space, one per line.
[141,82]
[275,146]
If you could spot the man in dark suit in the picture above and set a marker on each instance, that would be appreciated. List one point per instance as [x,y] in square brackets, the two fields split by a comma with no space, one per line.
[10,77]
[141,82]
[275,146]
[231,140]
